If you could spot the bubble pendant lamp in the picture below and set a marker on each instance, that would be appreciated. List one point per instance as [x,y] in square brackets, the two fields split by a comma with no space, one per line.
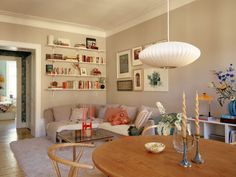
[170,54]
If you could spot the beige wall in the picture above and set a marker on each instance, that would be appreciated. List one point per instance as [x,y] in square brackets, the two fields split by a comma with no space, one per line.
[19,33]
[208,24]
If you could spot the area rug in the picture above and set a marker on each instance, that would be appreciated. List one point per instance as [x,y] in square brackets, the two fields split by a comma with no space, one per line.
[31,155]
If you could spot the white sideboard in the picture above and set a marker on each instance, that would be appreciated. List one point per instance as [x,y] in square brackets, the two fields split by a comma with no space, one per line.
[213,126]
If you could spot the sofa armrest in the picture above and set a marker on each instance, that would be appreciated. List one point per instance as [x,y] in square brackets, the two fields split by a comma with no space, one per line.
[48,116]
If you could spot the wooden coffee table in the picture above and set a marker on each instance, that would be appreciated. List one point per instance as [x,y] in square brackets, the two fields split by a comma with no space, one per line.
[127,157]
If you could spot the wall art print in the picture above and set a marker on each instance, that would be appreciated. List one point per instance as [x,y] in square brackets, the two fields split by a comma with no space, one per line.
[155,79]
[135,56]
[138,80]
[123,64]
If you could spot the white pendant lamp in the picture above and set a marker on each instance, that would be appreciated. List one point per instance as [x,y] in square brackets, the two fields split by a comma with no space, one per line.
[170,54]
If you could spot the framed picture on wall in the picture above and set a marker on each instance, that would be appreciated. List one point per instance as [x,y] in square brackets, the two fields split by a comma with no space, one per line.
[125,85]
[123,64]
[135,56]
[138,80]
[155,79]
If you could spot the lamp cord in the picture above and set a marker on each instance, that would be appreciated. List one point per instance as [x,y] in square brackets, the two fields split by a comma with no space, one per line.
[168,21]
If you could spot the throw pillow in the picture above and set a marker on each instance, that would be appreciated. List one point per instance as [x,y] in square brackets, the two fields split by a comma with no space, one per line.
[103,108]
[120,118]
[62,112]
[77,113]
[132,111]
[142,118]
[155,112]
[110,113]
[91,109]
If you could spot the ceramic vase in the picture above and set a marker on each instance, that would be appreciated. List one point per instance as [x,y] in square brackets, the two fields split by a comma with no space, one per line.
[232,107]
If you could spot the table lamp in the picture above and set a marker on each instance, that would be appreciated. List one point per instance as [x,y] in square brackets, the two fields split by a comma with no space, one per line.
[205,97]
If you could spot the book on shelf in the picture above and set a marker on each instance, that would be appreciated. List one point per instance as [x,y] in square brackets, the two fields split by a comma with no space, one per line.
[227,116]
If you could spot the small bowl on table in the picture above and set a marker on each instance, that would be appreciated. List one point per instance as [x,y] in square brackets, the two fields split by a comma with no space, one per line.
[155,147]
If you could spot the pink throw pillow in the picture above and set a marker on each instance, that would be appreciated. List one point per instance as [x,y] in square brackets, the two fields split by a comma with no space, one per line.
[121,118]
[110,113]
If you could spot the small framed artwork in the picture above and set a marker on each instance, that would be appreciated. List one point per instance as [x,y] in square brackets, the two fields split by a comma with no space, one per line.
[83,72]
[123,64]
[138,80]
[90,43]
[135,56]
[125,85]
[49,69]
[155,79]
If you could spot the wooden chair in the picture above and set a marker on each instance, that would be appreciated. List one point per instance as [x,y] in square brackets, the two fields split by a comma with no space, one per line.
[148,129]
[74,164]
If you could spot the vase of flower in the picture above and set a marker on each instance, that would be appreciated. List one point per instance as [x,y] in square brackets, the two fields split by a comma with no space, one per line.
[232,107]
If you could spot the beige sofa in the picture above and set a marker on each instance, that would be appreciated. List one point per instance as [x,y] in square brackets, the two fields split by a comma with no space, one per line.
[58,118]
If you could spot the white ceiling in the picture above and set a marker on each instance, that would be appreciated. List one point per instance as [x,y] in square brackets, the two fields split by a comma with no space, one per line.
[109,16]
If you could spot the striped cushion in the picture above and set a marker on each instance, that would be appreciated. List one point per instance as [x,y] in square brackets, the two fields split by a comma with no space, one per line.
[142,118]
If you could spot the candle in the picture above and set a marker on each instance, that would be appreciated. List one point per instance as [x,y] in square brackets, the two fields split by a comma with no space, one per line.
[197,115]
[184,117]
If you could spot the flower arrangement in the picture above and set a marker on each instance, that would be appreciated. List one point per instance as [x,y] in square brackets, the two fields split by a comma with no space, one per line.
[225,89]
[167,121]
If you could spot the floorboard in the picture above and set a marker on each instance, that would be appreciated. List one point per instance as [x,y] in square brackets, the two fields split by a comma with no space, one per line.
[8,133]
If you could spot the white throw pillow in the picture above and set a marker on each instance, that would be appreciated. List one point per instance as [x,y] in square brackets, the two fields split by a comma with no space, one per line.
[142,118]
[77,113]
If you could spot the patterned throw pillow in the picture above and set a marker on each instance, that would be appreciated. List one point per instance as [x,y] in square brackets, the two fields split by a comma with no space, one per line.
[77,113]
[142,118]
[110,113]
[120,118]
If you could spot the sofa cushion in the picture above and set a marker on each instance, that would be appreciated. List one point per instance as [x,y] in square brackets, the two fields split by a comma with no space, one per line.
[121,118]
[77,113]
[155,112]
[102,109]
[132,112]
[119,129]
[111,113]
[62,112]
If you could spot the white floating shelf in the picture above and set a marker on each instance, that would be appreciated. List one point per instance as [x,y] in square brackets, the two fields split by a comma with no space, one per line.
[61,89]
[75,48]
[74,61]
[73,75]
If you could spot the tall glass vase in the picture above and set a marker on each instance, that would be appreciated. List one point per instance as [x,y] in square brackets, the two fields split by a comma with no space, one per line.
[232,107]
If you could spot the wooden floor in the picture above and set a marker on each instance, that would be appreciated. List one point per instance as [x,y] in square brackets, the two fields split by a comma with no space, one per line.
[8,133]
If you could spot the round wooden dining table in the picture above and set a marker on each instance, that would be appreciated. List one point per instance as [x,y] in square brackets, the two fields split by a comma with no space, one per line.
[127,157]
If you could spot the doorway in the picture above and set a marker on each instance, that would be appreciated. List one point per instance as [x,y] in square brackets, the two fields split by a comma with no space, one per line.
[15,69]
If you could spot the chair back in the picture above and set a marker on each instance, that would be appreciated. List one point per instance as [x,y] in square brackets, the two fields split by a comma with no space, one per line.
[73,164]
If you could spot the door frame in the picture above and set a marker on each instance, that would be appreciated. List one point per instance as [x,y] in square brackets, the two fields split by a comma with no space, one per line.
[37,128]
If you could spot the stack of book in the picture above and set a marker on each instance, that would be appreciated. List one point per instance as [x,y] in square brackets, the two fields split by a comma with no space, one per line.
[232,136]
[226,118]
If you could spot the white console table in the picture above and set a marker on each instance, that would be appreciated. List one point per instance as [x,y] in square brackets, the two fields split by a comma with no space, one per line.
[213,126]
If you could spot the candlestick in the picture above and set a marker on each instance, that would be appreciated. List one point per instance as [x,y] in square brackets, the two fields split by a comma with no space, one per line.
[198,158]
[184,117]
[185,162]
[197,115]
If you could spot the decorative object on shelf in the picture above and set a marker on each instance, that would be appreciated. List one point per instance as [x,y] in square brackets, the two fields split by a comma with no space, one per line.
[123,64]
[155,79]
[138,80]
[135,56]
[81,46]
[169,54]
[125,85]
[206,97]
[91,43]
[184,162]
[62,41]
[226,88]
[95,72]
[102,81]
[83,71]
[197,159]
[49,68]
[54,56]
[50,40]
[154,147]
